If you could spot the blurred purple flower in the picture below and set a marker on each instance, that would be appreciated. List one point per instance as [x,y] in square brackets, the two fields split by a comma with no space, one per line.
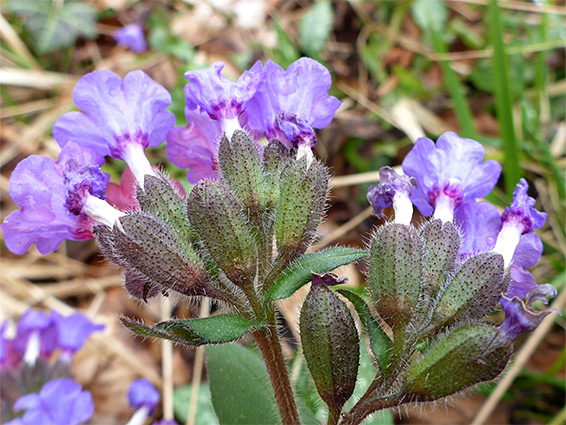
[222,99]
[392,190]
[131,37]
[143,394]
[73,331]
[195,146]
[3,344]
[36,336]
[449,174]
[520,316]
[60,401]
[288,104]
[52,196]
[119,117]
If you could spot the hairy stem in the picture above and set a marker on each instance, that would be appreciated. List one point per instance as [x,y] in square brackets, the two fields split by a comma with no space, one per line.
[268,342]
[366,407]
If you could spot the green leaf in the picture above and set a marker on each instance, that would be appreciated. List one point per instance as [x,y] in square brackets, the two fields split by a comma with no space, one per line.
[430,14]
[240,386]
[380,343]
[205,413]
[194,332]
[55,27]
[315,28]
[300,271]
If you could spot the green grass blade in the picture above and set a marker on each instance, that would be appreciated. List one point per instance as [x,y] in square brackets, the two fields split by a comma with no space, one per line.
[461,107]
[503,100]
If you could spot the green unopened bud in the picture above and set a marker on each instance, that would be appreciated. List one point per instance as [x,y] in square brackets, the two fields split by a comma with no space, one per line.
[240,167]
[330,344]
[395,272]
[275,158]
[302,197]
[217,216]
[161,199]
[463,358]
[152,255]
[474,292]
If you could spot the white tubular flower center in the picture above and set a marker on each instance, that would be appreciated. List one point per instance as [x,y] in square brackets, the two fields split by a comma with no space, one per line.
[403,208]
[101,211]
[507,242]
[134,156]
[139,416]
[444,210]
[229,126]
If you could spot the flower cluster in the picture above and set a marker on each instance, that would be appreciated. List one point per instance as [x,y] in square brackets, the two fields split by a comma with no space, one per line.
[450,177]
[266,100]
[40,353]
[120,118]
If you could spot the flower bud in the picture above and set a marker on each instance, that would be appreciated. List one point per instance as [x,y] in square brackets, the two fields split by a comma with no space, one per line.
[395,272]
[465,357]
[441,242]
[474,292]
[152,255]
[240,167]
[275,158]
[303,192]
[330,344]
[216,215]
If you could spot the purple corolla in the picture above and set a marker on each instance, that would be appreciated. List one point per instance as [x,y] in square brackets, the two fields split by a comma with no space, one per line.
[222,99]
[520,315]
[72,332]
[131,37]
[289,104]
[144,397]
[393,190]
[119,117]
[60,401]
[59,200]
[518,219]
[449,174]
[195,146]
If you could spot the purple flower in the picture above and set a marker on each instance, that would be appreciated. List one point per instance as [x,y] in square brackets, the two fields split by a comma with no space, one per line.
[165,422]
[60,401]
[520,316]
[289,103]
[36,336]
[73,331]
[143,394]
[195,146]
[55,198]
[480,223]
[520,218]
[119,117]
[131,37]
[449,174]
[223,100]
[392,190]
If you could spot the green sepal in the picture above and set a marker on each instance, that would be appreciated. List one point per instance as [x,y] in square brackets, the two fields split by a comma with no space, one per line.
[153,257]
[330,345]
[463,358]
[380,343]
[302,196]
[195,332]
[217,216]
[474,292]
[395,273]
[240,167]
[300,271]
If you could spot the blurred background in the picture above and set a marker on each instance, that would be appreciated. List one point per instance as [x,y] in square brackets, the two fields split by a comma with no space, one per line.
[491,71]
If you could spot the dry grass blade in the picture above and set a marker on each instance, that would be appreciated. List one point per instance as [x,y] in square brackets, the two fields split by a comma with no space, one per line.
[16,43]
[40,80]
[167,363]
[519,5]
[342,230]
[197,369]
